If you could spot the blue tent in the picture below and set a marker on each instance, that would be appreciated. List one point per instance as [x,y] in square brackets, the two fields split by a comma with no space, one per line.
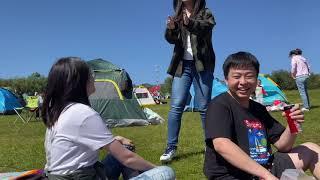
[8,101]
[218,87]
[272,89]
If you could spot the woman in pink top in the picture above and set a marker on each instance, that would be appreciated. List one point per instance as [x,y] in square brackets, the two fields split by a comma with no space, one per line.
[300,71]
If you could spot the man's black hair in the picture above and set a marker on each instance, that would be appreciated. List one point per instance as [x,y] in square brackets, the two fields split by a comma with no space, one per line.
[240,60]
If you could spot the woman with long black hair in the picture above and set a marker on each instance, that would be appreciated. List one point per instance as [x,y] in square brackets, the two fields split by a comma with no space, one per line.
[75,132]
[193,61]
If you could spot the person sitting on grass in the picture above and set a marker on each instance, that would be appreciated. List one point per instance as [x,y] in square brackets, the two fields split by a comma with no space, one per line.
[75,132]
[239,131]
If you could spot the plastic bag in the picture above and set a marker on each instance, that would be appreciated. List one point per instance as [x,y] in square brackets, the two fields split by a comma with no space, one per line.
[153,117]
[295,174]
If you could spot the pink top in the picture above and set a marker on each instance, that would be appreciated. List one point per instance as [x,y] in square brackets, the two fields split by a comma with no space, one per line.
[299,66]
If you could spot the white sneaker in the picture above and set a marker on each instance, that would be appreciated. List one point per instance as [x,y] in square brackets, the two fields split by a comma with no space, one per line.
[169,154]
[304,109]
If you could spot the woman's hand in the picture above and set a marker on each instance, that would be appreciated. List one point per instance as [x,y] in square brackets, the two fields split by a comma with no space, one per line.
[185,17]
[124,140]
[170,23]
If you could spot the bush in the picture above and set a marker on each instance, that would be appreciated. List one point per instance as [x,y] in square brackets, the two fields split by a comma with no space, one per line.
[286,82]
[33,83]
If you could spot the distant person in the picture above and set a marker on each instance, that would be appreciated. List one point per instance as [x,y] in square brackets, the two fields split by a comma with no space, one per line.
[24,96]
[193,61]
[75,132]
[40,104]
[240,132]
[300,71]
[259,92]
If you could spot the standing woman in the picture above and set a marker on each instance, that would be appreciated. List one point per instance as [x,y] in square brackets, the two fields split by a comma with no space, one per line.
[300,71]
[75,132]
[193,61]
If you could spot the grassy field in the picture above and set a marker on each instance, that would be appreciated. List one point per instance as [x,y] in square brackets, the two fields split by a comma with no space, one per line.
[21,145]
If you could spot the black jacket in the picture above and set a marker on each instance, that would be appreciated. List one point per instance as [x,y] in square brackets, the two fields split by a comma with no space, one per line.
[200,29]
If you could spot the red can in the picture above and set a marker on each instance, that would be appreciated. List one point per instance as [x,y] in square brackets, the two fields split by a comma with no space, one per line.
[294,126]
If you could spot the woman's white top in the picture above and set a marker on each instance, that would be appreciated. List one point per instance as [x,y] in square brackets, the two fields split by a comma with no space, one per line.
[188,55]
[74,141]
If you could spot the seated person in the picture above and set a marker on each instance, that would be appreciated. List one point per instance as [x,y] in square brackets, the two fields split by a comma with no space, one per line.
[239,131]
[75,132]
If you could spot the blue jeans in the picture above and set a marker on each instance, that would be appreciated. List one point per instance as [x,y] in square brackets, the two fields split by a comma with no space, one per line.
[157,173]
[301,82]
[113,170]
[202,83]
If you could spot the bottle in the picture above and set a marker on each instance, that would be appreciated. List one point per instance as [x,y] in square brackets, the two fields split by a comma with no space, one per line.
[294,126]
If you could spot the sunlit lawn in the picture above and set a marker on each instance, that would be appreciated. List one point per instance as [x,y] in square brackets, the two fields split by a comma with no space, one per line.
[21,145]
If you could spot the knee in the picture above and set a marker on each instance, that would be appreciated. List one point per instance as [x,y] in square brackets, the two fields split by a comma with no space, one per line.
[168,171]
[311,153]
[312,146]
[177,106]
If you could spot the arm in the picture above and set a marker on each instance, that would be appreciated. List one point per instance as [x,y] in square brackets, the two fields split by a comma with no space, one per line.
[237,157]
[127,157]
[309,70]
[286,140]
[201,25]
[293,68]
[124,140]
[173,35]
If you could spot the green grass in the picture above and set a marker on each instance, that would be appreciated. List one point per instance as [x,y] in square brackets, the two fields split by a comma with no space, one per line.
[21,146]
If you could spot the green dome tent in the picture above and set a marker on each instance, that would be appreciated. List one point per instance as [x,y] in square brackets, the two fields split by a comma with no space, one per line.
[113,96]
[106,70]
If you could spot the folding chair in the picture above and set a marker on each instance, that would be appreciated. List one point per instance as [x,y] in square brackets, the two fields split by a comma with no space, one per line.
[28,112]
[17,110]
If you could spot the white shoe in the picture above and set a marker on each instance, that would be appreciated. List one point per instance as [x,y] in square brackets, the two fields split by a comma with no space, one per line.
[304,109]
[169,154]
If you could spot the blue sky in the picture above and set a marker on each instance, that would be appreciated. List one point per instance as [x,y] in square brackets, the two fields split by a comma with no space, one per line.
[130,33]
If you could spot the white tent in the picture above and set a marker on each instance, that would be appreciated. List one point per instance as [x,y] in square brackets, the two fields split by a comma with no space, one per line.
[143,96]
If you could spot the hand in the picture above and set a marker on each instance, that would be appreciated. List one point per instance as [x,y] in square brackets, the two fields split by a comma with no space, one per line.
[124,140]
[296,114]
[185,17]
[170,23]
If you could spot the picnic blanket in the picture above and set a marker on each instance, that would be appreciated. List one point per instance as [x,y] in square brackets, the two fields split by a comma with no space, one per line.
[35,174]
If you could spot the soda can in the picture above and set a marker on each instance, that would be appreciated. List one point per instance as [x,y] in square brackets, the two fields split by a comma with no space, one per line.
[294,126]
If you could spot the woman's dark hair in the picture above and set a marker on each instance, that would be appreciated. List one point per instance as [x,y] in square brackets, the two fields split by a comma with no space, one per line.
[240,60]
[67,83]
[178,17]
[197,6]
[296,51]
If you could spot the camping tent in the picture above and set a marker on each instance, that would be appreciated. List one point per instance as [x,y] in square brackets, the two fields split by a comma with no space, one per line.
[218,87]
[272,89]
[143,96]
[155,91]
[116,109]
[106,70]
[8,102]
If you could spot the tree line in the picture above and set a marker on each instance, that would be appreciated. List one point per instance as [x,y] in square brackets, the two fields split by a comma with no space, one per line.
[37,82]
[29,85]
